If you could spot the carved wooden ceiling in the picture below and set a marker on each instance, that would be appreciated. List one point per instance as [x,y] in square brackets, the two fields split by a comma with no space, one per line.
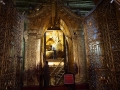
[80,7]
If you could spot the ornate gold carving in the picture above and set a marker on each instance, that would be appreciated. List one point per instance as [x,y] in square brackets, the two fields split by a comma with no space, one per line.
[102,47]
[11,28]
[42,20]
[31,60]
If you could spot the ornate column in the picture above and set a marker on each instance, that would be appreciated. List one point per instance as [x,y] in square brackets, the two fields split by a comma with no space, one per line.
[79,56]
[70,56]
[32,58]
[38,49]
[25,62]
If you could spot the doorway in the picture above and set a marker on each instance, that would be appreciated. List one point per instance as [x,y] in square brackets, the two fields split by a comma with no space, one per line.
[55,54]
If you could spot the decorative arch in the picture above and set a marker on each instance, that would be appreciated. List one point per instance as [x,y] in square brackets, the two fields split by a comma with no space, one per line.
[38,24]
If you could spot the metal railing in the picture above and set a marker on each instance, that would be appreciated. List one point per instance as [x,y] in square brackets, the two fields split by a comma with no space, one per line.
[58,76]
[56,67]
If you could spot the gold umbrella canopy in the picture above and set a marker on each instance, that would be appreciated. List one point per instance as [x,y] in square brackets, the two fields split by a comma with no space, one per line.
[50,41]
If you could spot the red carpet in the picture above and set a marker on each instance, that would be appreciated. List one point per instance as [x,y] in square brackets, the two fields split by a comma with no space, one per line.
[84,86]
[30,88]
[62,87]
[56,88]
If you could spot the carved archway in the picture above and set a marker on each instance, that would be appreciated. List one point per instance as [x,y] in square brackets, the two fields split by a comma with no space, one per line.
[38,24]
